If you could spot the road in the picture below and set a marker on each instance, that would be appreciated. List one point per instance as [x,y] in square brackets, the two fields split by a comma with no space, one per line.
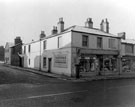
[24,89]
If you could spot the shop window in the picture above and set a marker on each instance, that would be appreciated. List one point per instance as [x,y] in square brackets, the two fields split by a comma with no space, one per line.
[85,41]
[89,64]
[59,42]
[112,43]
[99,42]
[44,62]
[110,64]
[126,65]
[129,48]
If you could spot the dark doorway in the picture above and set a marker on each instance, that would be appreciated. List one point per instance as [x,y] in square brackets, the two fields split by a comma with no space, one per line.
[49,64]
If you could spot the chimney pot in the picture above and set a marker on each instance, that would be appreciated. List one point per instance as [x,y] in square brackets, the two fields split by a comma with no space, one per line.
[42,35]
[60,25]
[89,23]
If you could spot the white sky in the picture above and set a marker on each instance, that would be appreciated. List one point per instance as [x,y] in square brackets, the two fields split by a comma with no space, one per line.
[26,18]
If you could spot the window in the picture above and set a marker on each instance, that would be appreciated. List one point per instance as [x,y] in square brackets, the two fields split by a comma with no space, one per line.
[99,42]
[112,43]
[29,61]
[129,48]
[44,62]
[85,41]
[44,45]
[24,49]
[59,42]
[29,48]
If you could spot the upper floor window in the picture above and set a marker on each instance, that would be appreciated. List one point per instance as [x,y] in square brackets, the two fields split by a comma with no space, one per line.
[29,48]
[129,48]
[99,42]
[85,40]
[59,42]
[112,43]
[24,49]
[44,44]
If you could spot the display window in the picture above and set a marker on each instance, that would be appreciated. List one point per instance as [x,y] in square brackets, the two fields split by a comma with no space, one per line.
[88,64]
[126,65]
[110,63]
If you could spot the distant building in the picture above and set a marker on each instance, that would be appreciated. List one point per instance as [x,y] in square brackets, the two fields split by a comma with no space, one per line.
[8,52]
[2,52]
[15,51]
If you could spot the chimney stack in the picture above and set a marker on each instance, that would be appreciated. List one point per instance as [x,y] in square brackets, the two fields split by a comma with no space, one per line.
[122,35]
[17,40]
[104,26]
[42,35]
[60,25]
[54,31]
[89,23]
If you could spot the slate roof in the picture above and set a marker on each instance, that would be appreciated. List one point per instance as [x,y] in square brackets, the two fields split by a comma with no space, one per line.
[84,29]
[128,41]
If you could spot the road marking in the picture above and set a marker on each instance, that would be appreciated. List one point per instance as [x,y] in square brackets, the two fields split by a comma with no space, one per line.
[47,95]
[57,94]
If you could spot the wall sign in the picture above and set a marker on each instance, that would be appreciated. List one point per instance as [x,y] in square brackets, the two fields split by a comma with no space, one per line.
[60,60]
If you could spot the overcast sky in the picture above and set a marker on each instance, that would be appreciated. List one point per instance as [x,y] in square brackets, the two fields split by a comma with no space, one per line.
[26,18]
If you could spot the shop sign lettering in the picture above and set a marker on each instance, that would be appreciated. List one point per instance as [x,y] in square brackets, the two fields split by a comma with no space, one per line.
[60,60]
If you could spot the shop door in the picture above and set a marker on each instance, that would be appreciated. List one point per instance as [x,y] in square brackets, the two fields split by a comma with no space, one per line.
[49,64]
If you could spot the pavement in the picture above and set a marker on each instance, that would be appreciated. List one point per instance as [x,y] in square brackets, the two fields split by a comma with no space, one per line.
[81,79]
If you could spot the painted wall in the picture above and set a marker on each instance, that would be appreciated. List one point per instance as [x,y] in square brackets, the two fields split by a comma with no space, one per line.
[31,59]
[52,43]
[64,69]
[77,41]
[7,54]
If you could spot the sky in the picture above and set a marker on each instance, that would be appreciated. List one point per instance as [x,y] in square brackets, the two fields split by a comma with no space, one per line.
[27,18]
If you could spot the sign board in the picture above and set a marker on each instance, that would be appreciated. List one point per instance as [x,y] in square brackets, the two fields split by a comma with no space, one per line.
[61,60]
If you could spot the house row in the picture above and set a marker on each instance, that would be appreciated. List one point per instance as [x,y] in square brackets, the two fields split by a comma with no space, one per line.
[94,50]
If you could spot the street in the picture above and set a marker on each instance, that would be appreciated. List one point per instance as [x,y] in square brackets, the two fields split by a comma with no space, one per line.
[24,89]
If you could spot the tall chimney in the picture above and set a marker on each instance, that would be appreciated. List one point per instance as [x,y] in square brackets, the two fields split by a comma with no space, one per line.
[89,23]
[122,35]
[17,40]
[104,26]
[42,35]
[54,31]
[60,25]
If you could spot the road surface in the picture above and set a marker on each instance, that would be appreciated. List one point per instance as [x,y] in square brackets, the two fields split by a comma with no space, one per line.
[24,89]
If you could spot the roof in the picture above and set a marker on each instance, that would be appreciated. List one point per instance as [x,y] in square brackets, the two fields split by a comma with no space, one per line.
[10,44]
[92,31]
[84,29]
[81,29]
[128,41]
[17,45]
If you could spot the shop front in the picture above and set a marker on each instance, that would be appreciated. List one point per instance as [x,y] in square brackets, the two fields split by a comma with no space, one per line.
[98,64]
[128,64]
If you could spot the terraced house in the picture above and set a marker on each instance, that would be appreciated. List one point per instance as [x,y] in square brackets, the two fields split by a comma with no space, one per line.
[95,50]
[128,56]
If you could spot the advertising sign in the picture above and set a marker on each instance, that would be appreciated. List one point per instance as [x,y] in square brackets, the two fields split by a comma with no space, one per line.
[60,60]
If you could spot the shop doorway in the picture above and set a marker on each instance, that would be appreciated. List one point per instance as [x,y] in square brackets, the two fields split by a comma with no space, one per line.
[49,64]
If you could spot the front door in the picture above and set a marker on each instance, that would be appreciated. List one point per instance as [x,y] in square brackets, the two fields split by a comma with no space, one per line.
[49,64]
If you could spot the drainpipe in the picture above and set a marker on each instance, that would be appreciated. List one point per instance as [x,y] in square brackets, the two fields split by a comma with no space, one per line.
[119,57]
[40,57]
